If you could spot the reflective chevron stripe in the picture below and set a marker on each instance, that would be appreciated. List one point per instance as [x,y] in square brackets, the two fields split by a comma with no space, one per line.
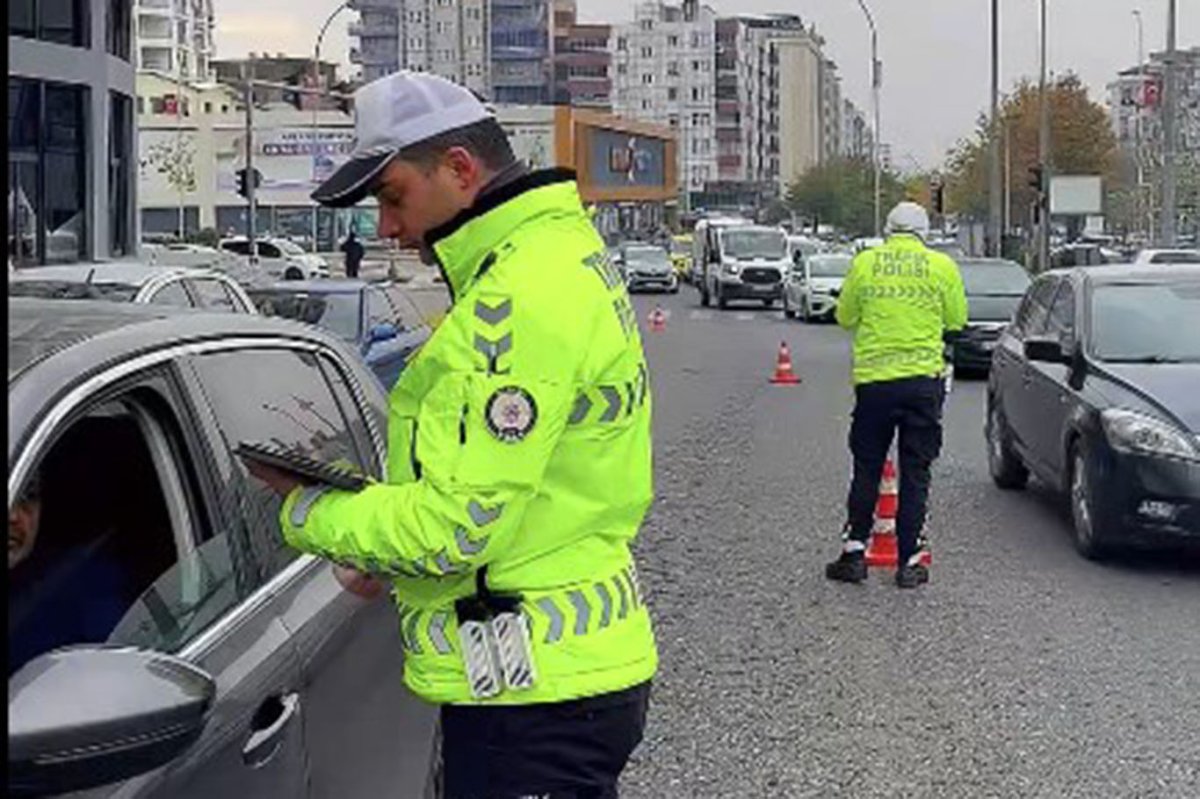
[304,504]
[493,316]
[583,611]
[606,604]
[613,397]
[623,593]
[547,606]
[583,404]
[466,546]
[437,632]
[482,516]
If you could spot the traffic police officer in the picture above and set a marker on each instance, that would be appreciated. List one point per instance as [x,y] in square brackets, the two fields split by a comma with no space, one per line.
[899,299]
[519,466]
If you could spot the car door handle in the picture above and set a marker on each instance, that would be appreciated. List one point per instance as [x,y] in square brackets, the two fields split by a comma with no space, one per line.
[270,724]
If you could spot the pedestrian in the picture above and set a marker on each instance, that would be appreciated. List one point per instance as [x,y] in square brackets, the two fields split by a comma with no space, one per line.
[519,466]
[899,299]
[353,249]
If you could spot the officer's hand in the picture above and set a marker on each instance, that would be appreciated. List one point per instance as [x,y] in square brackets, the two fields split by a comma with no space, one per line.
[279,481]
[363,586]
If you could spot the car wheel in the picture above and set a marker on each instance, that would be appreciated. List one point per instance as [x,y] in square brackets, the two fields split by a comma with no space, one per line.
[722,300]
[705,300]
[292,273]
[1092,528]
[1007,470]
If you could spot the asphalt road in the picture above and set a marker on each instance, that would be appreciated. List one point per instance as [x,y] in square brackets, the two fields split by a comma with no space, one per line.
[1022,670]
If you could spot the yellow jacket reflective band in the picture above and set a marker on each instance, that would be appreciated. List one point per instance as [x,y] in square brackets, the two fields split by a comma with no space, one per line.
[519,439]
[899,299]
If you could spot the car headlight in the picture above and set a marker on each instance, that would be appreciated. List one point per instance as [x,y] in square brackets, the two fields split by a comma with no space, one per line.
[732,269]
[1129,431]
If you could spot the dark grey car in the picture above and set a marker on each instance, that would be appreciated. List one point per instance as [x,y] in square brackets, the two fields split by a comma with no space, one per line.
[163,640]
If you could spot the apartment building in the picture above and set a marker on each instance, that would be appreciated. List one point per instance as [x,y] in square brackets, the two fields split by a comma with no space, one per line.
[175,37]
[582,60]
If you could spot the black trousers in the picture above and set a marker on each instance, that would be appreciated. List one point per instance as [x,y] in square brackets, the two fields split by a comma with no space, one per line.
[563,750]
[913,408]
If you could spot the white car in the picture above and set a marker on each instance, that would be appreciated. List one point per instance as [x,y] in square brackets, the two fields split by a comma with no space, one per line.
[180,254]
[814,285]
[1168,257]
[278,258]
[136,282]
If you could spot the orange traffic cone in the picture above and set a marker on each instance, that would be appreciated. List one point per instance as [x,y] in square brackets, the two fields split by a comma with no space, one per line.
[658,320]
[882,549]
[783,368]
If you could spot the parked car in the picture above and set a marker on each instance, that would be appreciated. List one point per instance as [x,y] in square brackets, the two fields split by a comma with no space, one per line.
[740,261]
[1094,390]
[122,281]
[181,254]
[814,286]
[801,247]
[646,266]
[681,256]
[278,258]
[367,316]
[1177,256]
[994,289]
[203,657]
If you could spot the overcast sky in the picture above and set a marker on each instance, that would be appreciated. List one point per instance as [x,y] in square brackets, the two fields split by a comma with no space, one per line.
[935,52]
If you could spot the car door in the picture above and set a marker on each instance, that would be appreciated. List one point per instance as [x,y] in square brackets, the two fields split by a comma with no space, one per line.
[1018,401]
[366,735]
[1050,397]
[168,539]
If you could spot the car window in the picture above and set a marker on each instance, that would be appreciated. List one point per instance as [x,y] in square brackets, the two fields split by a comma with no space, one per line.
[1031,319]
[1176,257]
[239,247]
[379,310]
[120,556]
[279,397]
[1146,322]
[266,250]
[172,294]
[1061,319]
[213,295]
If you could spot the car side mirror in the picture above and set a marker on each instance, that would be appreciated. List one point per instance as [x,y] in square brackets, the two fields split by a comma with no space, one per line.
[83,717]
[1045,350]
[384,331]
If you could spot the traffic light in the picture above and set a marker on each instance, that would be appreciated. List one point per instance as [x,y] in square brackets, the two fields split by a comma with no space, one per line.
[1037,179]
[242,188]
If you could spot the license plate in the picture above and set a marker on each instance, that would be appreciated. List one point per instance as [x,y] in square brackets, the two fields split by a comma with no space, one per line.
[764,288]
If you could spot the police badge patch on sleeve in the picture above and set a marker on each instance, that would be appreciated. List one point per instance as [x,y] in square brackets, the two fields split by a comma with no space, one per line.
[510,414]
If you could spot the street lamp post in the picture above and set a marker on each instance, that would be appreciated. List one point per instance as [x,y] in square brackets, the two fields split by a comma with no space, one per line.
[1043,233]
[1139,103]
[316,103]
[1170,101]
[995,195]
[876,83]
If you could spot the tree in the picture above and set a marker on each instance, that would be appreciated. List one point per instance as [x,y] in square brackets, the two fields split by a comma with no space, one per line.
[175,160]
[1081,143]
[842,193]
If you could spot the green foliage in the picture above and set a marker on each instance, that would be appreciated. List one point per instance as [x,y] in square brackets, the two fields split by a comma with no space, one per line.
[842,193]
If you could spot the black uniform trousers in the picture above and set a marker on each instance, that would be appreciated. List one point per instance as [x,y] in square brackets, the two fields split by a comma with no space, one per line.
[561,750]
[911,407]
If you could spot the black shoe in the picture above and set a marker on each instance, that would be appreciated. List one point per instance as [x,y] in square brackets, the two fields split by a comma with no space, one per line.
[851,567]
[912,576]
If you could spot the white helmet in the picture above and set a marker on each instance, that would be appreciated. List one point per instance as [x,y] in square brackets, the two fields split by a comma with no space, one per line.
[908,217]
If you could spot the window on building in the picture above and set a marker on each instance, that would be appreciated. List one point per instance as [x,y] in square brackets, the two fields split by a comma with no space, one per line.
[673,68]
[647,52]
[647,79]
[621,43]
[645,105]
[696,66]
[118,29]
[673,121]
[58,21]
[697,93]
[672,41]
[622,69]
[672,94]
[120,153]
[47,172]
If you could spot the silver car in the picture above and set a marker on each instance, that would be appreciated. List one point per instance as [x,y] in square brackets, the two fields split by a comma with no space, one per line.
[163,640]
[814,285]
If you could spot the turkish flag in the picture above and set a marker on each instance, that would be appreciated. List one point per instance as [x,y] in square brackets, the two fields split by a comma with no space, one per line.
[170,104]
[1151,93]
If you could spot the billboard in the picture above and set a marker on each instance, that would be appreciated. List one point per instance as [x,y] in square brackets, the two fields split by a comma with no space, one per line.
[1076,195]
[293,160]
[618,159]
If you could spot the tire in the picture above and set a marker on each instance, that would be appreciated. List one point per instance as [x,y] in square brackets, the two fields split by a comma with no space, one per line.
[1005,466]
[292,273]
[705,300]
[1093,528]
[722,300]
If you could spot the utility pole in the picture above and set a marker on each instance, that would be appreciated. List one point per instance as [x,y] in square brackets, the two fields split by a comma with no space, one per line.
[1141,204]
[995,194]
[1043,232]
[1170,102]
[252,205]
[876,84]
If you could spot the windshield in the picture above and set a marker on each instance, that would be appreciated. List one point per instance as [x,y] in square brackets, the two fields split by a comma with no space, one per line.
[804,247]
[1157,322]
[64,290]
[290,247]
[1176,257]
[337,313]
[993,278]
[646,255]
[745,245]
[829,265]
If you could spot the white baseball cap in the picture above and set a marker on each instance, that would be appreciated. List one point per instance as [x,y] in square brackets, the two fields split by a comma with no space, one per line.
[392,113]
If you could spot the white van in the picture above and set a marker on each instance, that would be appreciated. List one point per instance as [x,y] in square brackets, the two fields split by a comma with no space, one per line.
[738,260]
